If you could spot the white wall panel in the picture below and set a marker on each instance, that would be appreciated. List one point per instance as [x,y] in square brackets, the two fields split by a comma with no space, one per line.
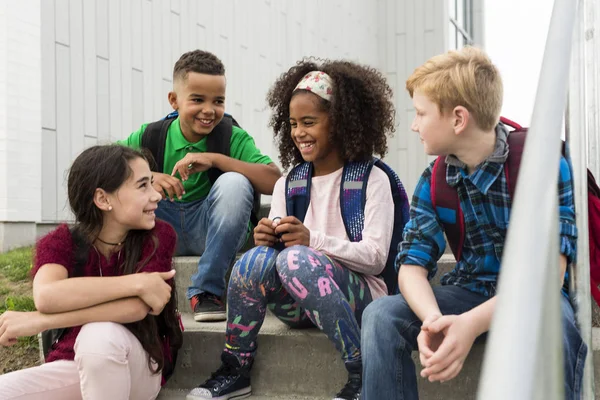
[117,60]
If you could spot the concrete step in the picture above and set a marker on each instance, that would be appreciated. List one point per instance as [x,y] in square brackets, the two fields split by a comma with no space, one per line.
[303,363]
[187,266]
[175,394]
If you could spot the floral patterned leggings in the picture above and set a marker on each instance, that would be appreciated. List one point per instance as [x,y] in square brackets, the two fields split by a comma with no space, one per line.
[302,287]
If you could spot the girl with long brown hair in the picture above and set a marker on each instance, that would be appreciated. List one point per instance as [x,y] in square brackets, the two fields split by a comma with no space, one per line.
[109,281]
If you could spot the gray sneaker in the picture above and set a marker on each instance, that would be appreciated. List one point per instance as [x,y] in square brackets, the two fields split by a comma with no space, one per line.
[208,308]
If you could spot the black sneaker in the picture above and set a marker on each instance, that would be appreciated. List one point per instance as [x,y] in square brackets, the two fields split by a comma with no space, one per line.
[352,389]
[229,382]
[208,307]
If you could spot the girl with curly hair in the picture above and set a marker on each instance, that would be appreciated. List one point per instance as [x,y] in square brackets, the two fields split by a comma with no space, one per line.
[308,273]
[104,286]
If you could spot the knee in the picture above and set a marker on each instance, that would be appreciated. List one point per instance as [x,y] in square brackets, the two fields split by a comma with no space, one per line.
[571,334]
[301,274]
[102,338]
[290,259]
[254,265]
[233,185]
[377,321]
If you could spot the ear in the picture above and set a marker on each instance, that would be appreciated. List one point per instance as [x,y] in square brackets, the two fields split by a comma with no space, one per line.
[461,118]
[101,200]
[173,100]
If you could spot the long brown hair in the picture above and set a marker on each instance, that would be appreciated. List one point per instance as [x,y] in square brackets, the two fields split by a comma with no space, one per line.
[107,167]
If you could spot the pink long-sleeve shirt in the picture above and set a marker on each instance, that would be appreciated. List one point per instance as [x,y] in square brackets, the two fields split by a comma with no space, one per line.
[327,231]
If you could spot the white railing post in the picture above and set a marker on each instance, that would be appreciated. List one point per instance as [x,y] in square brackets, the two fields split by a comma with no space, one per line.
[581,118]
[524,349]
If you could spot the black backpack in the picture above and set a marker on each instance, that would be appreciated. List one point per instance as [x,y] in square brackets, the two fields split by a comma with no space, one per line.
[219,141]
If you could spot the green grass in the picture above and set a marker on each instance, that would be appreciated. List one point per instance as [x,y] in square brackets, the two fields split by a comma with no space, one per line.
[15,290]
[17,303]
[16,264]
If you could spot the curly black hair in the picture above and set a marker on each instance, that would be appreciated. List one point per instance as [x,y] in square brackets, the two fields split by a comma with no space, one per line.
[361,112]
[199,61]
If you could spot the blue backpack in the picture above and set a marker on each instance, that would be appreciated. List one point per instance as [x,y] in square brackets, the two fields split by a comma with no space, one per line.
[353,192]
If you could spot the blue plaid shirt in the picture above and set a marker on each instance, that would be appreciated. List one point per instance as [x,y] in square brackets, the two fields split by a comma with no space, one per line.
[485,202]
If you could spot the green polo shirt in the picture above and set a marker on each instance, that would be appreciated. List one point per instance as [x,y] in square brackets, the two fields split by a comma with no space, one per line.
[198,185]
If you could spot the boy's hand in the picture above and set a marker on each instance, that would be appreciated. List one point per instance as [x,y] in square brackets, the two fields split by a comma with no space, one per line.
[192,163]
[165,183]
[293,232]
[457,335]
[14,324]
[428,342]
[264,233]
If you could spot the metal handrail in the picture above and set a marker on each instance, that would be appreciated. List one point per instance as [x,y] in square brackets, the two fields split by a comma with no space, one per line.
[579,124]
[524,351]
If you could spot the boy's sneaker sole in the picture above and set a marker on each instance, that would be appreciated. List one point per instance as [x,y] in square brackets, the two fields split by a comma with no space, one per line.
[210,316]
[239,394]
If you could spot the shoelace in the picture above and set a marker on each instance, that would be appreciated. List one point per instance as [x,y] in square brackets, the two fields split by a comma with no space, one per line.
[220,376]
[352,388]
[214,299]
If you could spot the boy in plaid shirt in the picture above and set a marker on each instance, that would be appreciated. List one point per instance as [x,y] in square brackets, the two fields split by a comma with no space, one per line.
[457,98]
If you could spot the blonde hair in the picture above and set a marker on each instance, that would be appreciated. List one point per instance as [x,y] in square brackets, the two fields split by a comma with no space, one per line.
[465,78]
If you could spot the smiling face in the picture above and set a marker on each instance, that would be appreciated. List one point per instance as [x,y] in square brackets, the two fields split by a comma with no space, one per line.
[310,133]
[134,202]
[435,128]
[200,101]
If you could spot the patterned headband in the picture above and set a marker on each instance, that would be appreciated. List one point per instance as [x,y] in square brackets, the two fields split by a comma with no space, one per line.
[317,82]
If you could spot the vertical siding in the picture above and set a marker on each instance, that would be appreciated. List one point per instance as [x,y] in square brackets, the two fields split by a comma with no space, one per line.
[108,63]
[20,111]
[414,32]
[48,53]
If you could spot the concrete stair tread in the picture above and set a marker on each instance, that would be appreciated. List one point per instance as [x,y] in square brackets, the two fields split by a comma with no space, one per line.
[271,326]
[176,394]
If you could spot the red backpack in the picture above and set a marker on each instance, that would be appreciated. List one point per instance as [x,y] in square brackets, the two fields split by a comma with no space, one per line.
[445,196]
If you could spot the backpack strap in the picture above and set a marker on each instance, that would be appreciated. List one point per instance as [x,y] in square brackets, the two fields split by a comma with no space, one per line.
[154,139]
[219,141]
[516,143]
[297,190]
[353,196]
[446,204]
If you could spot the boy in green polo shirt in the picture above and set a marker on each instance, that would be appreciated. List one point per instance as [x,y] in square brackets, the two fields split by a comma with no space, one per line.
[210,219]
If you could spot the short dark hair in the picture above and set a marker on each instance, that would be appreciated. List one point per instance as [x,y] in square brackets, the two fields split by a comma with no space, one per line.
[199,61]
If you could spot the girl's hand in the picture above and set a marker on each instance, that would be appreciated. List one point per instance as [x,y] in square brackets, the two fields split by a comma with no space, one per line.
[293,232]
[264,234]
[191,164]
[15,324]
[153,289]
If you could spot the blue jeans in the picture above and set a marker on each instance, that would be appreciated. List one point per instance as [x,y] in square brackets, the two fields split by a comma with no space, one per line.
[389,335]
[215,227]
